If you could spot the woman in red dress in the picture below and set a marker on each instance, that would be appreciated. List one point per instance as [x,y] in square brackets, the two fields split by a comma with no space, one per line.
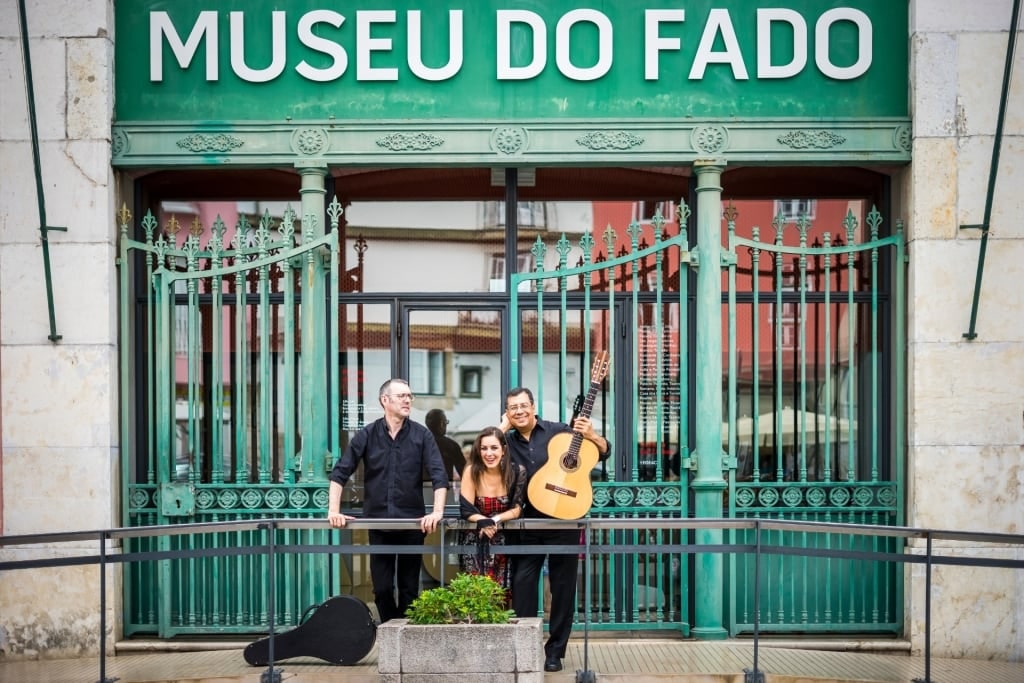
[492,493]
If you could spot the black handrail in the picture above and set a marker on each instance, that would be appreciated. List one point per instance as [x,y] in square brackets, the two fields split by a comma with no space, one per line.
[757,548]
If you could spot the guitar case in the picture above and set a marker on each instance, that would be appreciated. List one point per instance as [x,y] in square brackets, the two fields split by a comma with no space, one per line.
[340,630]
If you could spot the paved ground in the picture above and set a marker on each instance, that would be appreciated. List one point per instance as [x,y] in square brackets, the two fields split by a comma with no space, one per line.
[611,660]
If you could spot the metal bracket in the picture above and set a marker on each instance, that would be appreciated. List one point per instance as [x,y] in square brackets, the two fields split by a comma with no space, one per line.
[271,675]
[754,676]
[585,676]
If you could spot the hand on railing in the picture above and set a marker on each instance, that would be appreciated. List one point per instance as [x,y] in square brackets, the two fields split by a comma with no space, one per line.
[338,519]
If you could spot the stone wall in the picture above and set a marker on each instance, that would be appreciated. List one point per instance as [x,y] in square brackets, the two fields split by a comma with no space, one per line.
[59,398]
[966,397]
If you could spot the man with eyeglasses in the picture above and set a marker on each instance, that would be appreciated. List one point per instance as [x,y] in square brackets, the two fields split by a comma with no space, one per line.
[395,452]
[528,438]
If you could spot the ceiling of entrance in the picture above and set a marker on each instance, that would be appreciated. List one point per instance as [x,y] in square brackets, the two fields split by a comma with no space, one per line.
[452,183]
[546,184]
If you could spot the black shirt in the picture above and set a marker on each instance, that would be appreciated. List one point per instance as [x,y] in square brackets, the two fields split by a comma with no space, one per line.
[392,468]
[533,454]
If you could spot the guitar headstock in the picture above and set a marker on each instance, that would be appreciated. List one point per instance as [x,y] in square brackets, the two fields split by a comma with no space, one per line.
[600,368]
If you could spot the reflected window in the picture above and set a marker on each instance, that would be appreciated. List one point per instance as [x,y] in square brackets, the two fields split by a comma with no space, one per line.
[471,382]
[792,209]
[426,371]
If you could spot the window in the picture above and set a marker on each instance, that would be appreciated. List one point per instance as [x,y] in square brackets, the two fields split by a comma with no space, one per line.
[426,371]
[496,271]
[528,214]
[792,209]
[471,381]
[644,212]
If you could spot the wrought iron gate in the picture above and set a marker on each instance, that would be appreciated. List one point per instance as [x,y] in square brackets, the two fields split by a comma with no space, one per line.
[221,328]
[814,388]
[629,298]
[819,437]
[815,415]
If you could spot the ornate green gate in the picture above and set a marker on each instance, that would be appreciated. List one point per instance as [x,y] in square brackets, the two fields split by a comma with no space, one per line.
[813,386]
[815,415]
[627,295]
[222,325]
[813,382]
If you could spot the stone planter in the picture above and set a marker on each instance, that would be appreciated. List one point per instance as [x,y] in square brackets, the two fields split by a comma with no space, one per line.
[443,653]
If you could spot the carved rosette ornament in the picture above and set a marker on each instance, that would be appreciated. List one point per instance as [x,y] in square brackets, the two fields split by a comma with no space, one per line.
[902,138]
[410,142]
[609,139]
[709,140]
[310,141]
[205,143]
[510,140]
[811,139]
[119,143]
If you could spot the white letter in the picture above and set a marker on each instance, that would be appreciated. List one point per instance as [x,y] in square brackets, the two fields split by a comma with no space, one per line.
[277,58]
[718,20]
[160,25]
[653,43]
[365,45]
[765,68]
[507,72]
[328,47]
[454,50]
[863,48]
[604,45]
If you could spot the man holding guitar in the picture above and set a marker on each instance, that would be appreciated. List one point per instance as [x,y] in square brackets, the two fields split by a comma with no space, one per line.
[529,438]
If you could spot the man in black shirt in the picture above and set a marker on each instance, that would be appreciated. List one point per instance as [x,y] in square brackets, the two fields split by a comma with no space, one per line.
[394,451]
[451,452]
[528,438]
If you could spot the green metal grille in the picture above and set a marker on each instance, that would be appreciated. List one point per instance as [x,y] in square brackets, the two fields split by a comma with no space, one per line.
[627,295]
[816,441]
[216,340]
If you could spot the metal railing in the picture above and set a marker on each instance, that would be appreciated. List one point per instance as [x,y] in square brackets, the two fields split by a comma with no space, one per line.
[449,543]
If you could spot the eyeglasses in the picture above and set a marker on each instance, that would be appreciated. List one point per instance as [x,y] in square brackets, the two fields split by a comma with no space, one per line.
[520,406]
[403,397]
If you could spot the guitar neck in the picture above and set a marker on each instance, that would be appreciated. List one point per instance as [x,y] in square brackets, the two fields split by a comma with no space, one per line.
[588,402]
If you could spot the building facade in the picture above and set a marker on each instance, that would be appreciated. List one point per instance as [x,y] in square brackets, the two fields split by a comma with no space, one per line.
[426,143]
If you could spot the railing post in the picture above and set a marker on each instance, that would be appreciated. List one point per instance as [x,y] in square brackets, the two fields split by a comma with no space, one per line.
[586,675]
[271,675]
[103,609]
[754,675]
[927,611]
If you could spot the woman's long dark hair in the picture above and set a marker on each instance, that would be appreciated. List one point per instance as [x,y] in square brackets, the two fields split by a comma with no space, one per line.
[476,461]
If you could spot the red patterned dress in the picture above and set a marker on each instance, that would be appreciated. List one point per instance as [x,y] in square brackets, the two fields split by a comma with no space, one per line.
[497,567]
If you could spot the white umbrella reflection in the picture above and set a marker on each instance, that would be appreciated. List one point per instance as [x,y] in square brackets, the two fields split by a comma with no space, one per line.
[790,424]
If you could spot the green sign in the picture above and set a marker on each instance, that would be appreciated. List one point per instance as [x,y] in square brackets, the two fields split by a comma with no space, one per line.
[259,60]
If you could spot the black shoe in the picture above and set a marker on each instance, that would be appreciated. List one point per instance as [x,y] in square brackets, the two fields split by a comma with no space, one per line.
[552,663]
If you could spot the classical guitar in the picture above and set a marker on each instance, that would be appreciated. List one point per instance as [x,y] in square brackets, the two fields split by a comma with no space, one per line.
[561,487]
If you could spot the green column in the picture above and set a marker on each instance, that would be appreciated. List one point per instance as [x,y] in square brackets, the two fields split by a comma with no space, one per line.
[313,404]
[708,483]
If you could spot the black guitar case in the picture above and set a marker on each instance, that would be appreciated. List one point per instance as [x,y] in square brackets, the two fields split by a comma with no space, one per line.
[340,631]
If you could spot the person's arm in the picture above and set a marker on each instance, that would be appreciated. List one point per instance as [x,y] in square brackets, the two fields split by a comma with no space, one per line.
[429,521]
[334,515]
[584,426]
[470,512]
[339,474]
[516,495]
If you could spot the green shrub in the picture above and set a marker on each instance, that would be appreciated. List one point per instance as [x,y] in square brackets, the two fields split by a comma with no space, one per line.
[468,599]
